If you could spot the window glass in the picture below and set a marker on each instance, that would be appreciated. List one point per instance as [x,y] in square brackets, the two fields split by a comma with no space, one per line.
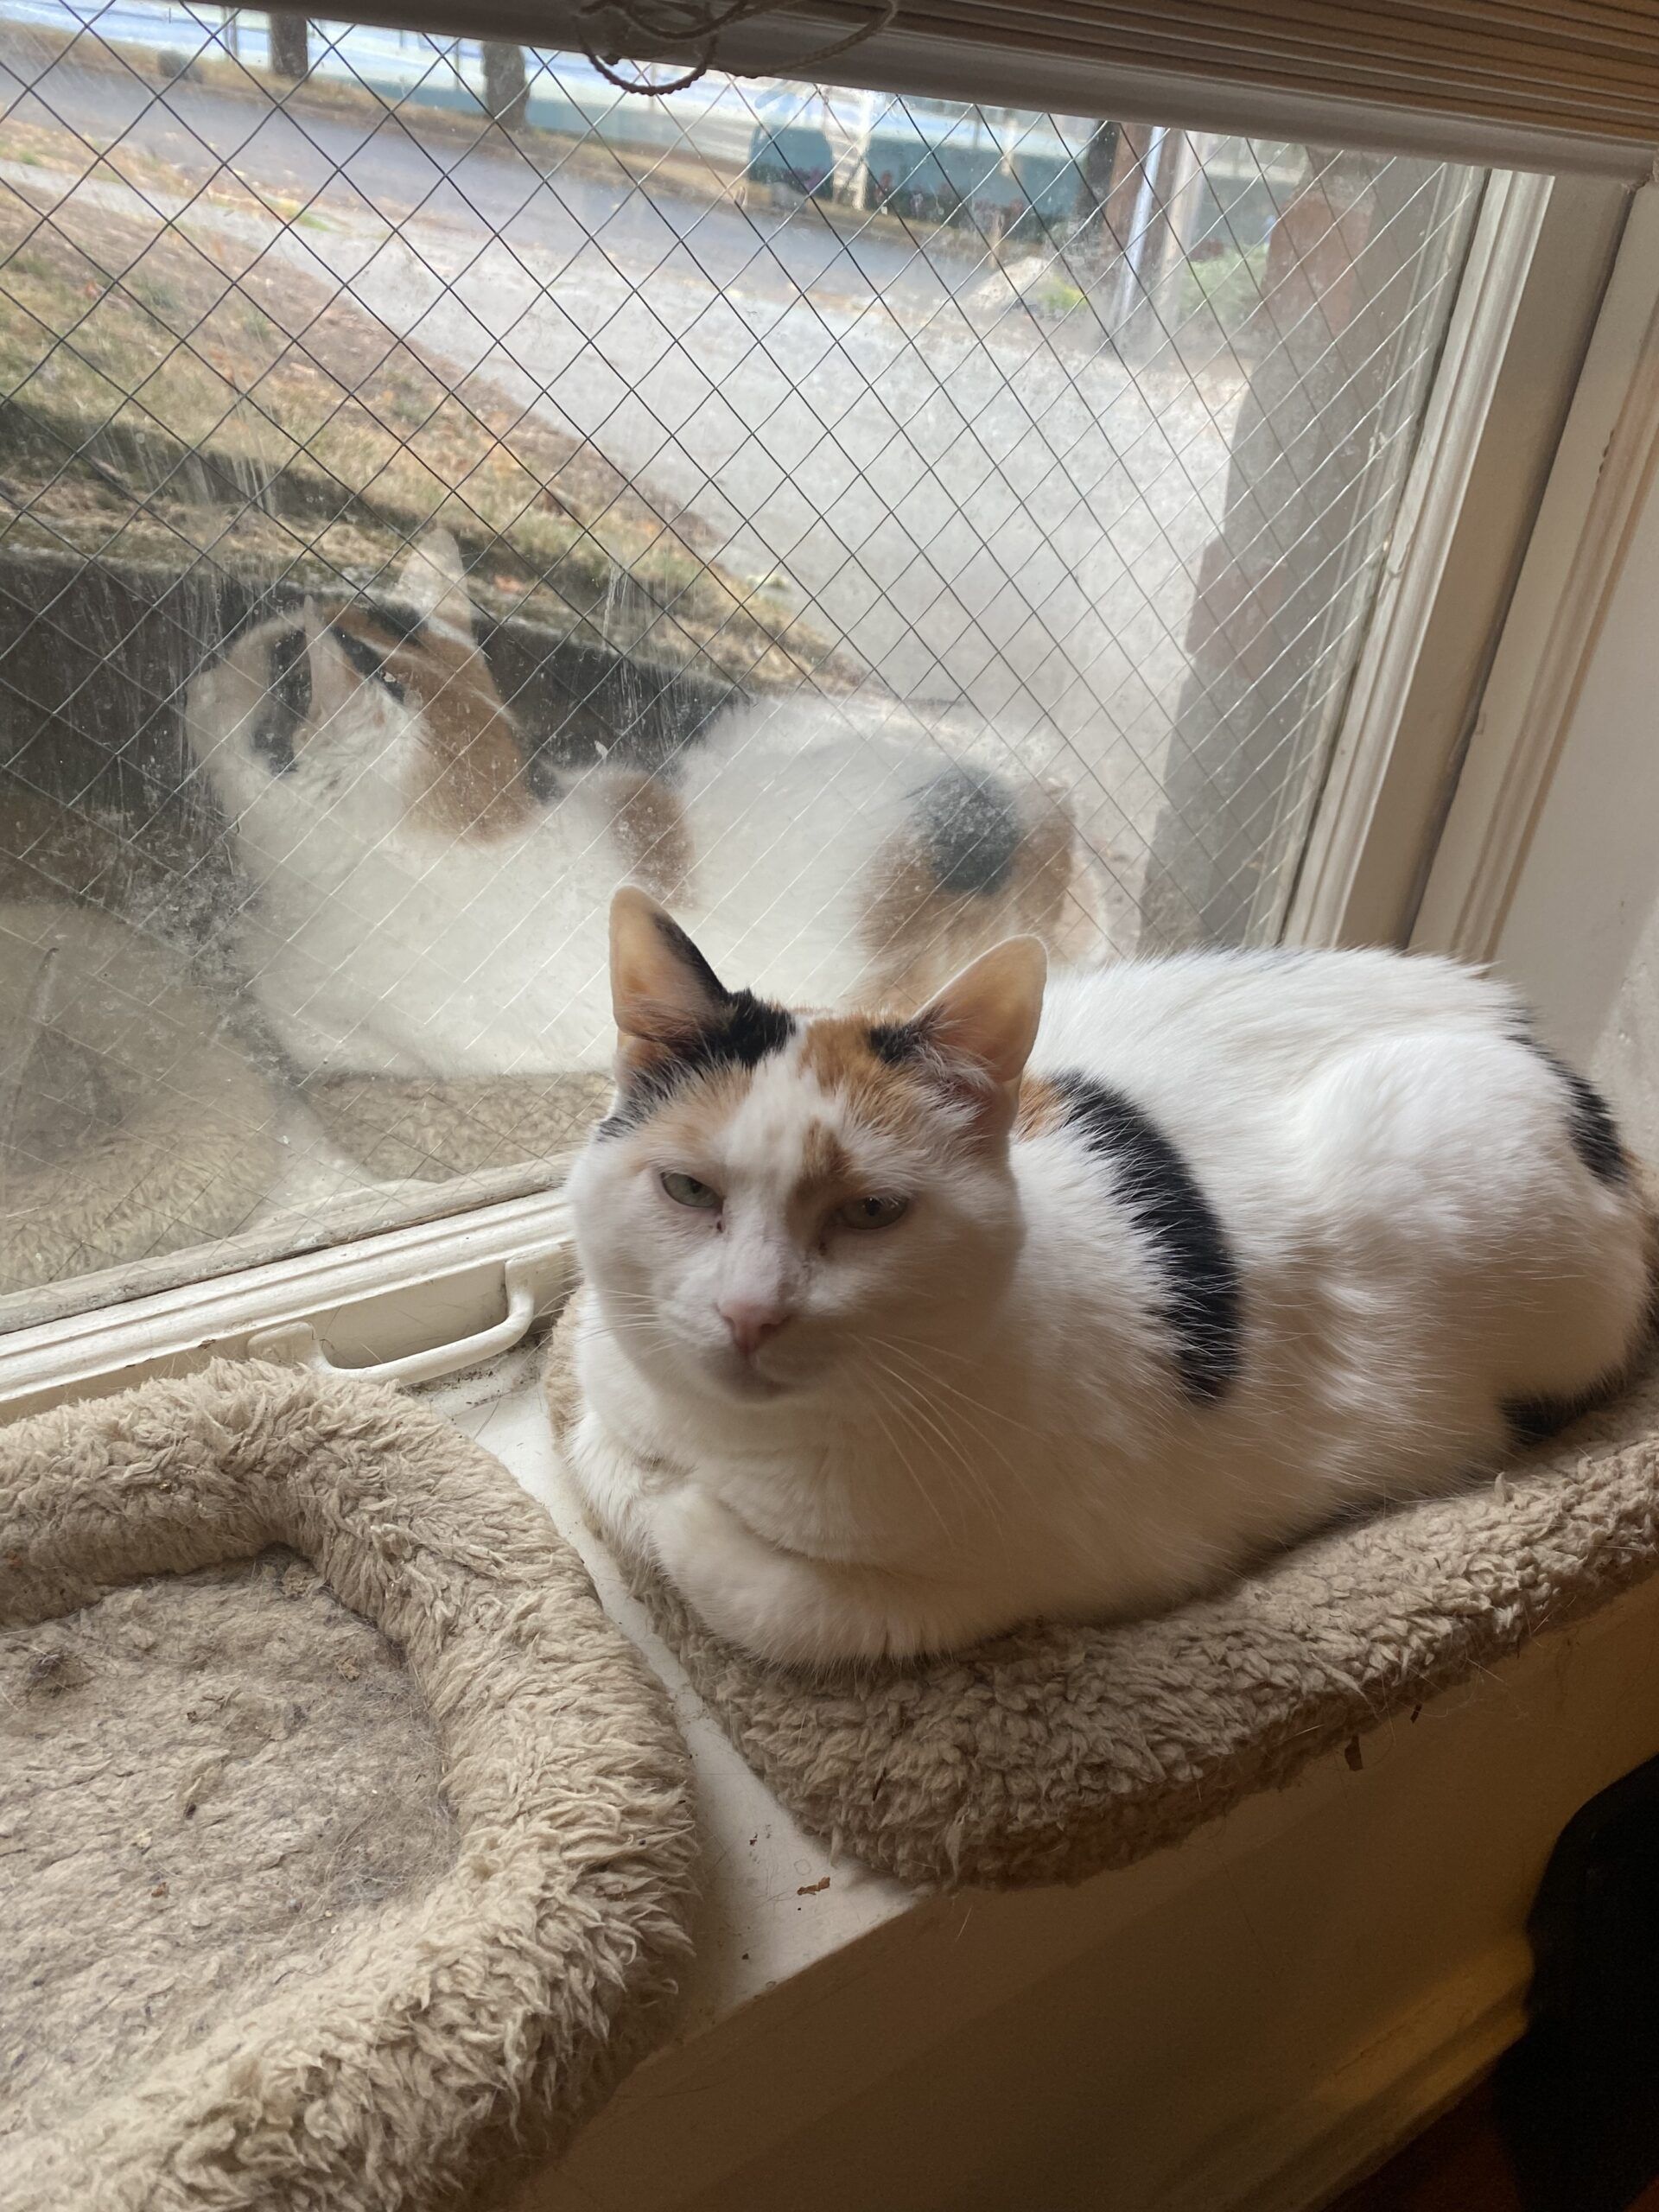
[435,487]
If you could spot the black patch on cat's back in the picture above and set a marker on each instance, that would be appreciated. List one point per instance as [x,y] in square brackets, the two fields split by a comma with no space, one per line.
[1590,1126]
[287,704]
[1172,1212]
[1590,1123]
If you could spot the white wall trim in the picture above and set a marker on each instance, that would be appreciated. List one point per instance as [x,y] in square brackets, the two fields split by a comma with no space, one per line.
[1602,477]
[292,1234]
[1385,2096]
[382,1298]
[1455,422]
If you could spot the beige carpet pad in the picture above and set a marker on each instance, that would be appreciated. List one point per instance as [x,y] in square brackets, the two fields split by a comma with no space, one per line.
[132,1121]
[1059,1750]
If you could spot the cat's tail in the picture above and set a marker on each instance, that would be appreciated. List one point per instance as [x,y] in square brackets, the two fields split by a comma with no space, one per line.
[974,862]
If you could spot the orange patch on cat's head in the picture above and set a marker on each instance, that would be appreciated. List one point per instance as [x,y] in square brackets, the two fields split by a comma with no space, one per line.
[870,1067]
[688,1118]
[1042,1106]
[962,1055]
[825,1163]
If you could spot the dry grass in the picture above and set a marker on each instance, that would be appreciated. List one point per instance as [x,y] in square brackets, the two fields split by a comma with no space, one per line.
[174,393]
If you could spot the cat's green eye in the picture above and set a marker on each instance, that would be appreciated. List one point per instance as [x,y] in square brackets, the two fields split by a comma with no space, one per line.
[871,1212]
[686,1191]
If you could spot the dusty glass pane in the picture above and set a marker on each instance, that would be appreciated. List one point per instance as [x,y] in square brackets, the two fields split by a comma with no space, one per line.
[434,488]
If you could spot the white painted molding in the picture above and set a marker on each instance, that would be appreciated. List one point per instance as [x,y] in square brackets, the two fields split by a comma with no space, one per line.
[1431,506]
[1602,476]
[387,1297]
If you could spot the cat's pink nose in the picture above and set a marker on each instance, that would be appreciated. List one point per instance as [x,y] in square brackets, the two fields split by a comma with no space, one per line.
[751,1323]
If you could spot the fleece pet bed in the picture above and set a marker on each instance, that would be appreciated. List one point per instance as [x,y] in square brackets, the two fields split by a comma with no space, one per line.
[348,1846]
[131,1123]
[1052,1752]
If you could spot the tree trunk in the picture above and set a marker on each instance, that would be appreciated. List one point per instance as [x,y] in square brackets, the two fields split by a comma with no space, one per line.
[506,89]
[290,47]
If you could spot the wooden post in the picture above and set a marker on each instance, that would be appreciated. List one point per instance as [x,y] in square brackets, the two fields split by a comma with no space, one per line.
[506,88]
[290,46]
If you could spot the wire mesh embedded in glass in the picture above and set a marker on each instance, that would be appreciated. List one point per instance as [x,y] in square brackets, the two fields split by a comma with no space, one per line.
[435,487]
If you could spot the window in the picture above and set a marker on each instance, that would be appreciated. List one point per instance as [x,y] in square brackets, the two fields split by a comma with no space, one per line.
[872,523]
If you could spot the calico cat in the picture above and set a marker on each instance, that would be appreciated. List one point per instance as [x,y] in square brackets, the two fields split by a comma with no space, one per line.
[416,908]
[898,1331]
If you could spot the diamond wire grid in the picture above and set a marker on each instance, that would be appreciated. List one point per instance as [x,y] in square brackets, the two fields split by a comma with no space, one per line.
[896,411]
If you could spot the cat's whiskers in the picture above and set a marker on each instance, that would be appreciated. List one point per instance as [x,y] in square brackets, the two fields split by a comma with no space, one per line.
[937,1350]
[923,1420]
[651,1334]
[918,1393]
[920,1383]
[895,1344]
[922,1490]
[926,1381]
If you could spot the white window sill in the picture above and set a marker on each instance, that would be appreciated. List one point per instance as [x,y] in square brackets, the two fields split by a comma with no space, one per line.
[1241,2024]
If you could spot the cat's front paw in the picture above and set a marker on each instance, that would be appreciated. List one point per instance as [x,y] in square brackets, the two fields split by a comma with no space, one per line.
[743,1588]
[778,1604]
[704,1550]
[616,1497]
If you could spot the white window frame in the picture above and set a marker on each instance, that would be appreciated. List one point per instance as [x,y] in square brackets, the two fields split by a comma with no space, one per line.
[1604,474]
[1537,269]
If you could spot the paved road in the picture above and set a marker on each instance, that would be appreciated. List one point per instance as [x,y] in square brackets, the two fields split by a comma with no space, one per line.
[400,168]
[976,498]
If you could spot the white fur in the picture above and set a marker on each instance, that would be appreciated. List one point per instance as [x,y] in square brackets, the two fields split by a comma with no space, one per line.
[377,942]
[971,1417]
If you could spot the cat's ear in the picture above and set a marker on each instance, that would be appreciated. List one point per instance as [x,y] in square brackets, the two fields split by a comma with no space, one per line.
[664,992]
[330,678]
[981,1027]
[433,581]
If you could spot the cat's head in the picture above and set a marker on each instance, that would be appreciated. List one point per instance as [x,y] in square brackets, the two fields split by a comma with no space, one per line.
[780,1205]
[343,692]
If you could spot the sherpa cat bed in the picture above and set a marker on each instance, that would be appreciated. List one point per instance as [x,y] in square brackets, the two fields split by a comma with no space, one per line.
[130,1122]
[1049,1753]
[431,1126]
[345,1878]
